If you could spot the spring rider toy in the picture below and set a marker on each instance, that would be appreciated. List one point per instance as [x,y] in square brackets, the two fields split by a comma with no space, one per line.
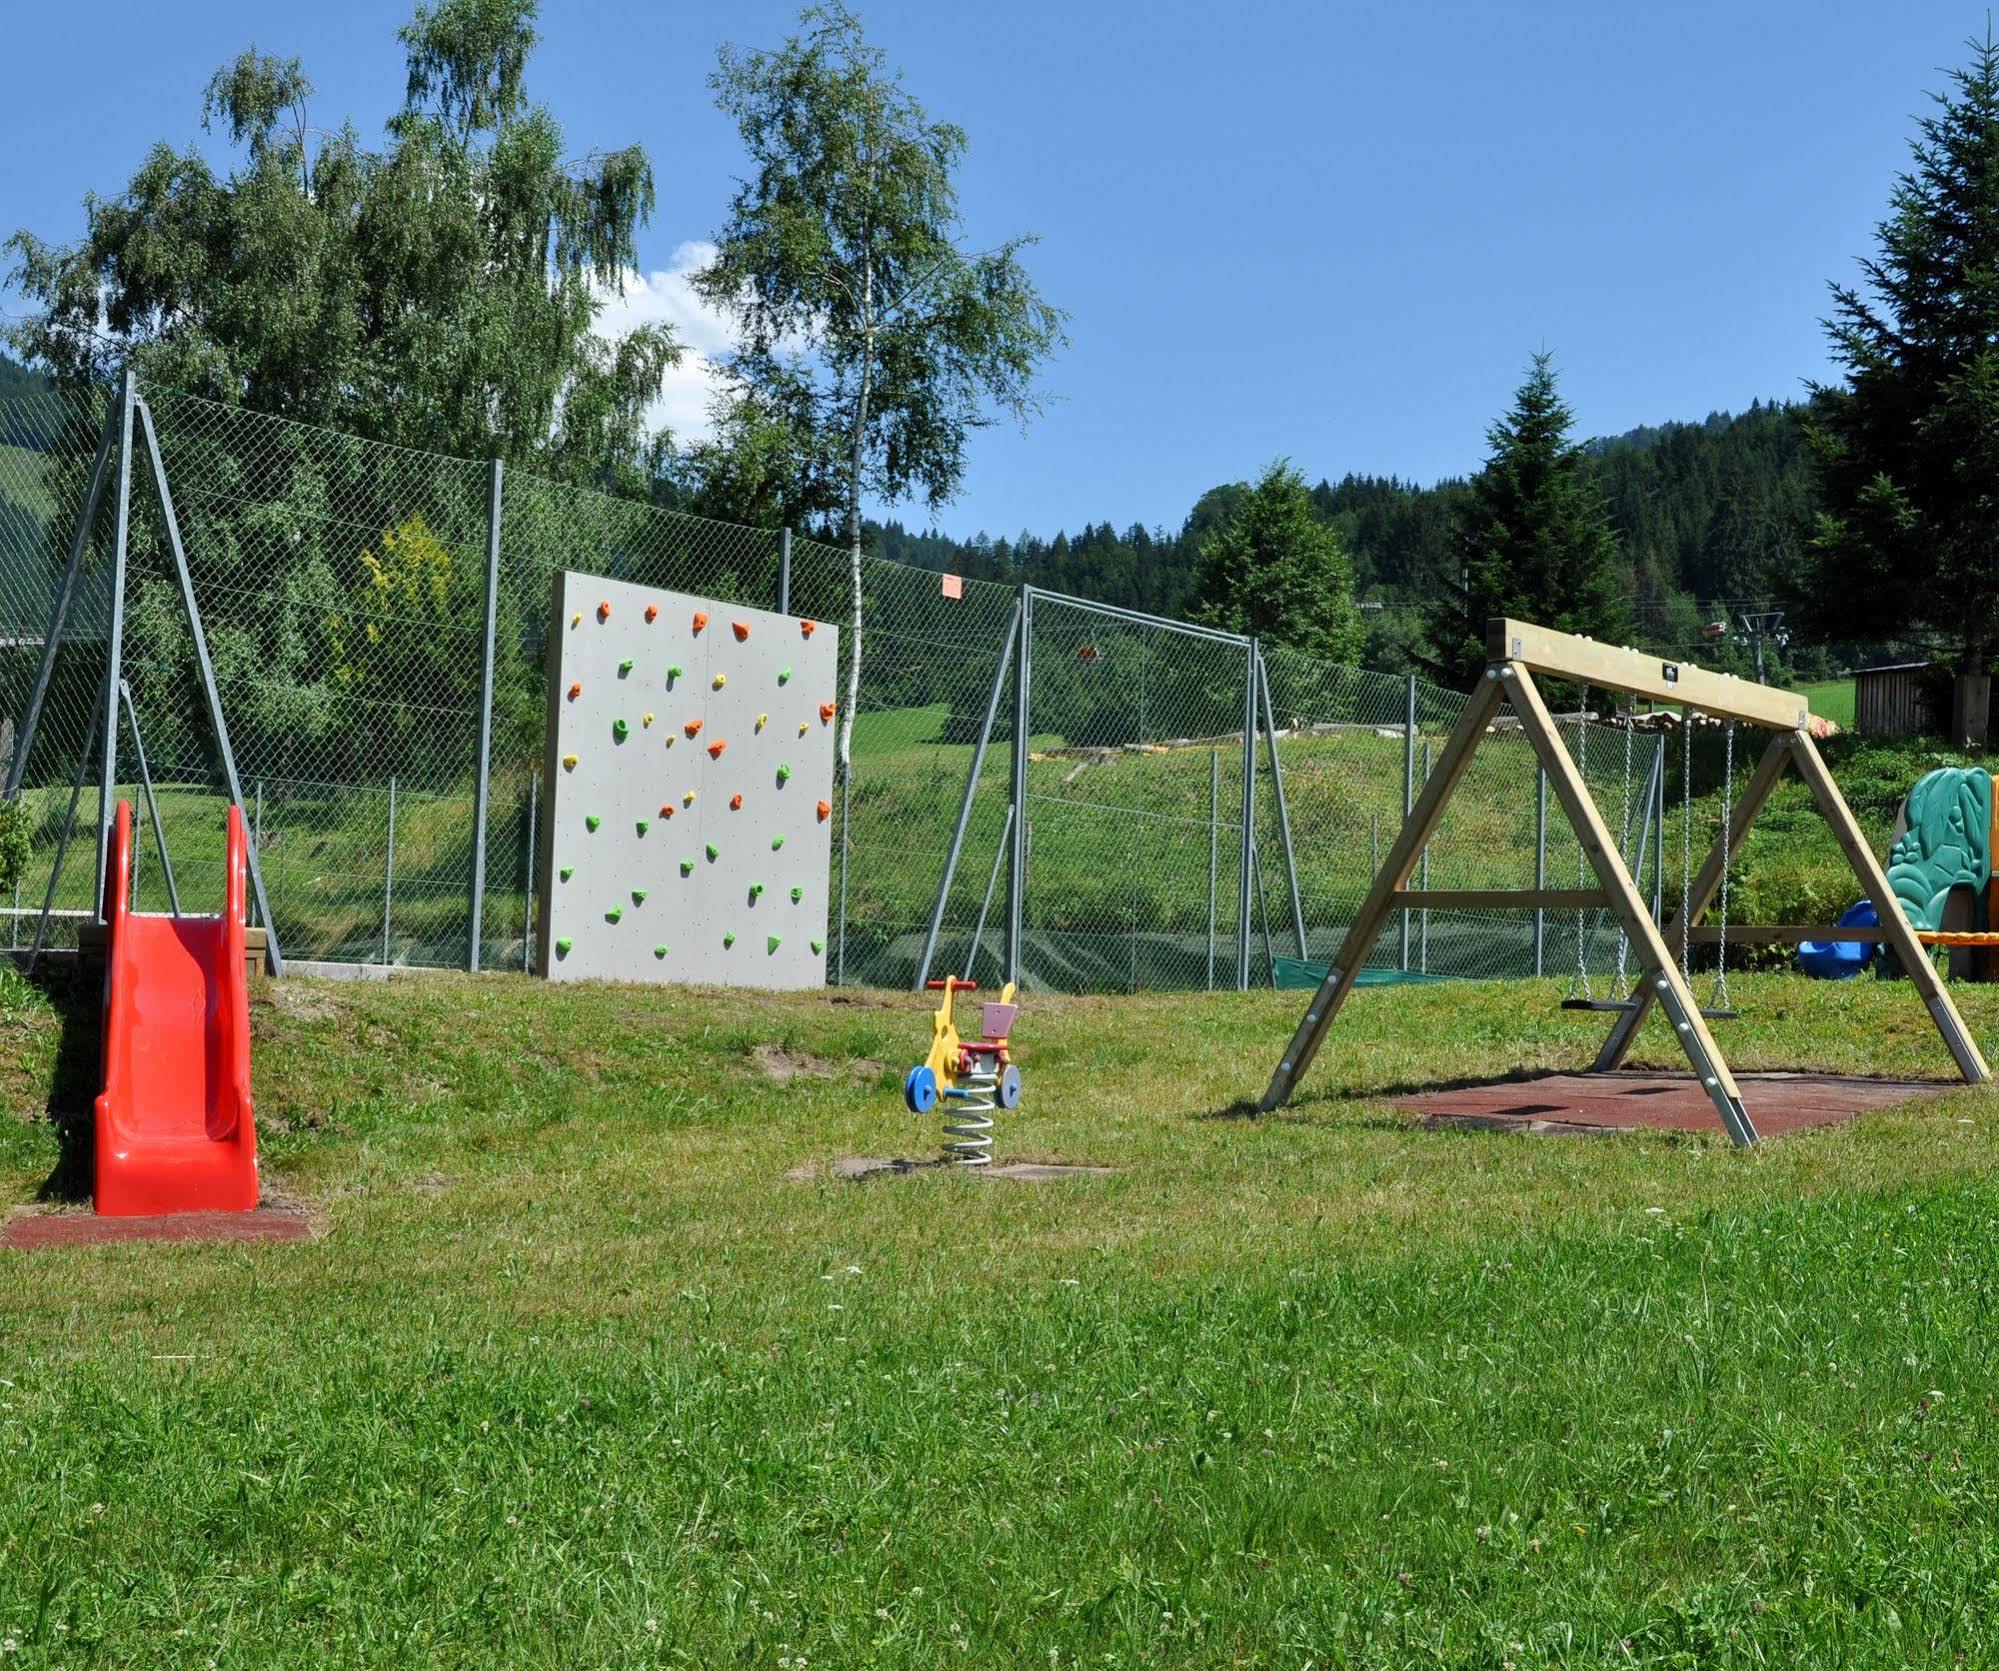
[972,1076]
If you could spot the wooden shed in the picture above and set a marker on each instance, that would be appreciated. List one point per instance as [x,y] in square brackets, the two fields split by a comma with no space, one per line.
[1888,701]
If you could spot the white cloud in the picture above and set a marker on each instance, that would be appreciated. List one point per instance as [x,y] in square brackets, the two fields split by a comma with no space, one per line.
[667,296]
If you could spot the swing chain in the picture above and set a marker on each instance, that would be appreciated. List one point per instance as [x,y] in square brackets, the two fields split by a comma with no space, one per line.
[1580,987]
[1623,986]
[1727,859]
[1686,841]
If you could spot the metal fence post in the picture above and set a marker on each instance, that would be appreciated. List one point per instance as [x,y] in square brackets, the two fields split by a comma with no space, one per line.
[1016,875]
[784,571]
[389,872]
[482,787]
[1540,867]
[1246,881]
[1214,835]
[1408,792]
[1423,881]
[527,893]
[114,638]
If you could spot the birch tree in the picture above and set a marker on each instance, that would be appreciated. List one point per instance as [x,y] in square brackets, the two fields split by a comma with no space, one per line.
[867,327]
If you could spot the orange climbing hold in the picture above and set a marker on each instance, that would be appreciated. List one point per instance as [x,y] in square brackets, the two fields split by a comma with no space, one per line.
[700,619]
[576,690]
[825,712]
[652,613]
[694,728]
[741,629]
[666,809]
[825,811]
[805,628]
[604,610]
[715,748]
[736,803]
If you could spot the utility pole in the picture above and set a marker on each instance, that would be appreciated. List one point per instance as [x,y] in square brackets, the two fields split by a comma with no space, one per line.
[1760,624]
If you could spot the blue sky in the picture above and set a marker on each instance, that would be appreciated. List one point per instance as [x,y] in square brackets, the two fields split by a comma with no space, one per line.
[1334,232]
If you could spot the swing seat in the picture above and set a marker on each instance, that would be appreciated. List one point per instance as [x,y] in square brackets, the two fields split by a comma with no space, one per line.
[1613,1006]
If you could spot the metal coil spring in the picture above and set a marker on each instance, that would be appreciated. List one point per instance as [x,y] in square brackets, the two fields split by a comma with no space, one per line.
[968,1119]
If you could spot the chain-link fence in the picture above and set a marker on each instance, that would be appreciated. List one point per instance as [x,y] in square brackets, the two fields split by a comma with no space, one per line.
[343,587]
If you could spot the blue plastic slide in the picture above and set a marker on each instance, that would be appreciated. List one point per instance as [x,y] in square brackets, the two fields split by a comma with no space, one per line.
[1838,960]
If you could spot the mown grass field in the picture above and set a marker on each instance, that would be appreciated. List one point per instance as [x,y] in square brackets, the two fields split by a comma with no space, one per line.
[591,1363]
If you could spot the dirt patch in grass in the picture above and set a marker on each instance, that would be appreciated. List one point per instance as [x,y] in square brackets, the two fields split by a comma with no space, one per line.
[786,1065]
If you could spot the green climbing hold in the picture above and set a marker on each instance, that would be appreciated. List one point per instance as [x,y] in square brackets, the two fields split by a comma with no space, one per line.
[728,940]
[643,824]
[818,945]
[796,895]
[615,912]
[755,889]
[714,852]
[784,774]
[659,951]
[620,729]
[567,872]
[624,667]
[772,943]
[638,896]
[784,675]
[776,842]
[686,867]
[562,946]
[676,672]
[591,821]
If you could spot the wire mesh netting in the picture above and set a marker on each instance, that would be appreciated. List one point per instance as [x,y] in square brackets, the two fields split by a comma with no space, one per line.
[342,589]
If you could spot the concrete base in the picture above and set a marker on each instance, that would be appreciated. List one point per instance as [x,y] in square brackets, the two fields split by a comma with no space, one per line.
[856,1167]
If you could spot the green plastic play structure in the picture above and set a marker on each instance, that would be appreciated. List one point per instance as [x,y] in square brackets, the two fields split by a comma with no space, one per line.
[1943,842]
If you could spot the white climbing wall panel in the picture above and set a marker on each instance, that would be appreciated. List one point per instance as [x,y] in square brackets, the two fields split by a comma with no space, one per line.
[687,831]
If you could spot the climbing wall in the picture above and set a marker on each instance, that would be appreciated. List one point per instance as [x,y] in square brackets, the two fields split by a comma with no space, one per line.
[691,758]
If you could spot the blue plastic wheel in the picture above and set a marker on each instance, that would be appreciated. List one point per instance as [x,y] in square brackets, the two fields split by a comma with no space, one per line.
[919,1089]
[1009,1088]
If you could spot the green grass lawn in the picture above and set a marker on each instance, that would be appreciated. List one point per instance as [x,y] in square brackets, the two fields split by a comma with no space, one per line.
[1832,699]
[591,1363]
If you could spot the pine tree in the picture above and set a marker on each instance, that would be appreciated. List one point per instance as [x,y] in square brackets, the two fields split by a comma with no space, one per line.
[1271,568]
[1907,450]
[1532,539]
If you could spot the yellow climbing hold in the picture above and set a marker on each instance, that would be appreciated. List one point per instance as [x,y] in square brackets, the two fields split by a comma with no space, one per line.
[569,762]
[721,679]
[762,721]
[647,720]
[576,620]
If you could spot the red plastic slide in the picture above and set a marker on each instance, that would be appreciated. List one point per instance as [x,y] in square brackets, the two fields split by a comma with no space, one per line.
[175,1133]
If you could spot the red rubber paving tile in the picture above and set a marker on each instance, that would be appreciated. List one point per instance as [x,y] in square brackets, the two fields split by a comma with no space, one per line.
[1597,1102]
[34,1229]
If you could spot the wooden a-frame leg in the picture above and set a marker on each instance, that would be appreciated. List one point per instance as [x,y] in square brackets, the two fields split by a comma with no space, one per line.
[1395,870]
[1700,895]
[1662,974]
[1895,928]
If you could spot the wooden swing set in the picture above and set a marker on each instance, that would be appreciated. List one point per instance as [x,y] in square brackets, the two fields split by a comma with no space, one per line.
[1518,651]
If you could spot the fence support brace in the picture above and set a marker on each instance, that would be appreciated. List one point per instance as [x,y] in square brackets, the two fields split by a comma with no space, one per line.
[223,749]
[1016,872]
[965,803]
[1283,811]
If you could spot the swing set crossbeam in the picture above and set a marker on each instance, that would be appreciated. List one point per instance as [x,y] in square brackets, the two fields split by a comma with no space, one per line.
[1519,650]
